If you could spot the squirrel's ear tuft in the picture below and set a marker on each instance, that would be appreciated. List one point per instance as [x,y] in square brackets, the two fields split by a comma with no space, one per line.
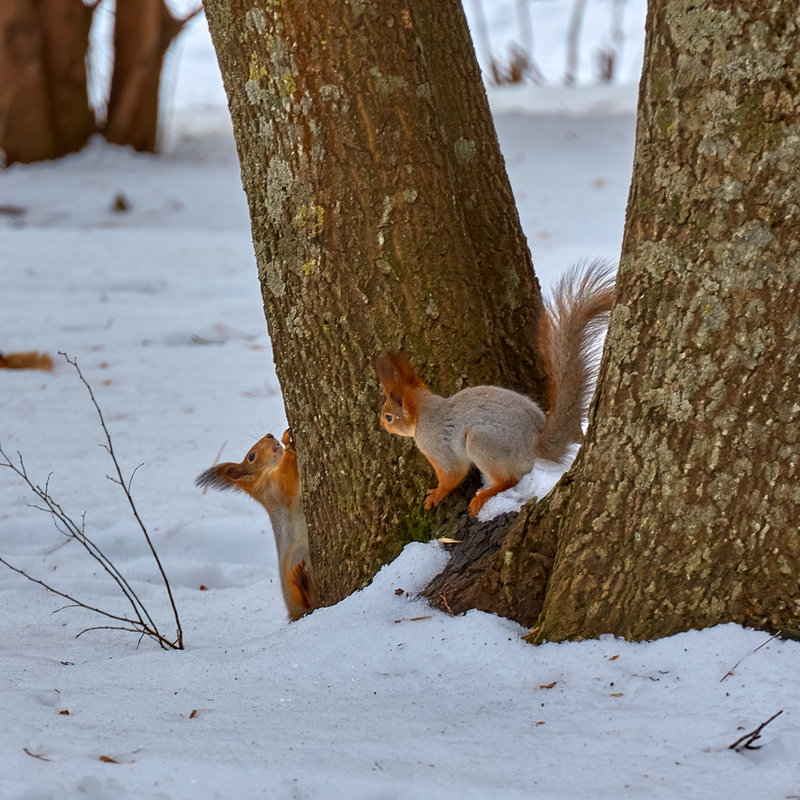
[396,373]
[387,374]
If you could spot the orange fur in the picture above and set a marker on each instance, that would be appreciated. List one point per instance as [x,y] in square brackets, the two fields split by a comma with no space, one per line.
[400,385]
[302,586]
[268,473]
[484,495]
[499,431]
[287,478]
[249,475]
[568,327]
[447,482]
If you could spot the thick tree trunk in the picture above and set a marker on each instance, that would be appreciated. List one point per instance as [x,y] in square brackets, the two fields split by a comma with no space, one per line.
[682,508]
[143,32]
[685,511]
[382,218]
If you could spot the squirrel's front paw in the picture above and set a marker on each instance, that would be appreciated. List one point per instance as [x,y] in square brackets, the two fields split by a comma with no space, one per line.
[434,497]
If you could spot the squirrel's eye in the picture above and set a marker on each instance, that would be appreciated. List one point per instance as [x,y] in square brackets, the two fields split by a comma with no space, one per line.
[388,417]
[251,456]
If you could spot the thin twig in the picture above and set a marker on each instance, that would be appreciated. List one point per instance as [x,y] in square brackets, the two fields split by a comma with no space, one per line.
[143,624]
[446,605]
[72,530]
[733,668]
[746,742]
[35,755]
[108,628]
[134,510]
[138,626]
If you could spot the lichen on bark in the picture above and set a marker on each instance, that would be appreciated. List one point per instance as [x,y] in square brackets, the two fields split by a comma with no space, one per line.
[688,519]
[364,139]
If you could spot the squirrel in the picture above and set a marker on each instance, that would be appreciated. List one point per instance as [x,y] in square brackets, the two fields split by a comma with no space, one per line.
[268,473]
[498,430]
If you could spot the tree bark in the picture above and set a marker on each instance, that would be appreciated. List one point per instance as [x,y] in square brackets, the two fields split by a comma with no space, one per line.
[681,509]
[686,506]
[382,218]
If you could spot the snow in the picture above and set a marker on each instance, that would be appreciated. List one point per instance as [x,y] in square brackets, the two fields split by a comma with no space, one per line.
[379,696]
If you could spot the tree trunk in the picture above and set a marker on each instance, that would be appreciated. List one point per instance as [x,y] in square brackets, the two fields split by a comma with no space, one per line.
[682,508]
[66,25]
[382,218]
[143,32]
[26,128]
[691,517]
[44,102]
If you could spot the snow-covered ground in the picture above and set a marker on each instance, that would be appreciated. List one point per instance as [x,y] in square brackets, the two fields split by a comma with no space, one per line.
[378,697]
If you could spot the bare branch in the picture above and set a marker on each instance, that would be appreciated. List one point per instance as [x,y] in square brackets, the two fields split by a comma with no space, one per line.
[143,623]
[746,742]
[108,628]
[132,505]
[73,601]
[130,480]
[72,530]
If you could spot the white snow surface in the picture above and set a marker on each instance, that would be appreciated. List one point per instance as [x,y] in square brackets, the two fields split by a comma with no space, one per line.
[379,696]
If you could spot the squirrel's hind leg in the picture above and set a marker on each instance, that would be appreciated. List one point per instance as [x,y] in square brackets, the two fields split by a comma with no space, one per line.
[500,459]
[498,484]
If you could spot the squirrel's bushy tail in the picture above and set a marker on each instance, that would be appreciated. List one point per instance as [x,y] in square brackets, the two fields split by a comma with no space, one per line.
[568,331]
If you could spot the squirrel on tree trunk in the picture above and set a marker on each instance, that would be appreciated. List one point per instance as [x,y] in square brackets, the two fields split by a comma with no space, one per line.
[503,432]
[268,473]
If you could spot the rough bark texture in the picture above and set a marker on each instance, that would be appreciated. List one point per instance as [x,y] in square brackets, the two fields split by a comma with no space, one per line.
[503,566]
[685,510]
[382,218]
[44,104]
[143,32]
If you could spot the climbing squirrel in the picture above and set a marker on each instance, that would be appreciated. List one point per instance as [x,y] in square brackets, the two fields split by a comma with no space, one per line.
[268,473]
[500,431]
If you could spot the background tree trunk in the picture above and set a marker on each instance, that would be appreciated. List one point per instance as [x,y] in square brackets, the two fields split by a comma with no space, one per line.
[44,102]
[26,132]
[381,217]
[66,25]
[143,32]
[685,511]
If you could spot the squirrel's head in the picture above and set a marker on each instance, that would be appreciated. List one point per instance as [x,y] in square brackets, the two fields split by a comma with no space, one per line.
[399,384]
[395,417]
[249,474]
